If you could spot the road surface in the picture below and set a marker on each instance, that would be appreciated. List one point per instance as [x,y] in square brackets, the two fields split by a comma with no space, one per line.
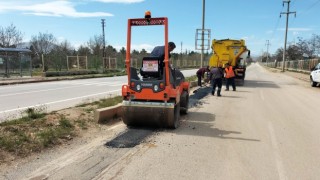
[59,94]
[267,129]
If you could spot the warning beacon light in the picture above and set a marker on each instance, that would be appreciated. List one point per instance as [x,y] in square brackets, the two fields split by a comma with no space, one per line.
[147,14]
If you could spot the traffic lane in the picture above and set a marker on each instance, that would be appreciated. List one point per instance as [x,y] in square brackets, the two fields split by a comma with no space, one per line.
[22,88]
[294,127]
[286,106]
[57,98]
[61,89]
[43,86]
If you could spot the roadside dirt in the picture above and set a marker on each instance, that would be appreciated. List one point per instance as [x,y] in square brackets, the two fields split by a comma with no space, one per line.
[80,147]
[81,118]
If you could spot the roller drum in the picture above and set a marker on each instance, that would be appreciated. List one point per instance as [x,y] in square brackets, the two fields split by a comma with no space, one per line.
[151,114]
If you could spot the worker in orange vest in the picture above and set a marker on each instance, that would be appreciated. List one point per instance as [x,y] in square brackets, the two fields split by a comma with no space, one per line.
[229,75]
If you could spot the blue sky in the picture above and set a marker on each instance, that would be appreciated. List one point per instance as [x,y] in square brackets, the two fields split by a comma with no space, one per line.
[77,21]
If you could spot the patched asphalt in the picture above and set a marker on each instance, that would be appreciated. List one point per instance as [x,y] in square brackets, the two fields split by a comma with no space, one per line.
[135,136]
[130,138]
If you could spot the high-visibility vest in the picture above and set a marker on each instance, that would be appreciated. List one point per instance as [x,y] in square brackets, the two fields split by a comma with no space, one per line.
[229,72]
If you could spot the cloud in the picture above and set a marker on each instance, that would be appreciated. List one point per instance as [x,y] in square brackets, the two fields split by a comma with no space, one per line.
[247,38]
[269,32]
[55,8]
[295,33]
[139,47]
[120,1]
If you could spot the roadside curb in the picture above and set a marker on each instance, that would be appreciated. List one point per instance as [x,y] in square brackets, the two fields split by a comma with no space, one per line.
[3,83]
[104,115]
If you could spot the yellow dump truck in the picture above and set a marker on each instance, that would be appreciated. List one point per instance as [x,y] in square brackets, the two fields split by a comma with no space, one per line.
[233,52]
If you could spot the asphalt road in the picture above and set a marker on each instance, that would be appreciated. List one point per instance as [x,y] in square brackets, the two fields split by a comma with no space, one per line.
[267,129]
[56,95]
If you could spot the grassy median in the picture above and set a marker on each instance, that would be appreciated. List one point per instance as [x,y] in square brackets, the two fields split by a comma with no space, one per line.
[37,130]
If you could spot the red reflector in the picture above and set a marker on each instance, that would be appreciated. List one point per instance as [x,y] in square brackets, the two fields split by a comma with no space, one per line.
[132,84]
[161,85]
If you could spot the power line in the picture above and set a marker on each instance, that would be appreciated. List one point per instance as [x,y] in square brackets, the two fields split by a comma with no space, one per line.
[276,26]
[302,12]
[310,7]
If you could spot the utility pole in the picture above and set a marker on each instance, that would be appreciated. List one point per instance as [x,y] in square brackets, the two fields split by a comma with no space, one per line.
[202,37]
[286,33]
[104,44]
[267,44]
[181,61]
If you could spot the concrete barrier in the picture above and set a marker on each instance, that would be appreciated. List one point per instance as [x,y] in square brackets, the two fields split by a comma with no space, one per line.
[104,115]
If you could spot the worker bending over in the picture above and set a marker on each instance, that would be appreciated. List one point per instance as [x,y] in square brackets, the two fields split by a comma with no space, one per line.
[159,51]
[200,74]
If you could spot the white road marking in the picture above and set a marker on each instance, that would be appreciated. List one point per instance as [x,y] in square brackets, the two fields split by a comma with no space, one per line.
[275,147]
[79,85]
[53,102]
[119,84]
[94,83]
[13,94]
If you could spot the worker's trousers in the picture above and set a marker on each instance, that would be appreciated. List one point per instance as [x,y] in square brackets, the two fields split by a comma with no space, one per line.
[230,81]
[199,80]
[215,83]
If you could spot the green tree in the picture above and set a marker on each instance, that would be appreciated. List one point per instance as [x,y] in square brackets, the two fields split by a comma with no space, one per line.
[294,53]
[84,51]
[59,55]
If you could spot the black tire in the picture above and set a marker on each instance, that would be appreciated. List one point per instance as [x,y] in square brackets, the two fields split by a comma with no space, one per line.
[313,84]
[240,82]
[174,119]
[184,103]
